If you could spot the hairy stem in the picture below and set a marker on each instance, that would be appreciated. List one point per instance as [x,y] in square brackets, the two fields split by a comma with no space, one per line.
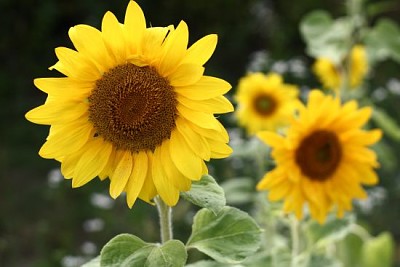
[165,215]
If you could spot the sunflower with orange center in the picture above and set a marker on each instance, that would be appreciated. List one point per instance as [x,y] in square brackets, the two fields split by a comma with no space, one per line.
[330,74]
[265,102]
[323,160]
[135,106]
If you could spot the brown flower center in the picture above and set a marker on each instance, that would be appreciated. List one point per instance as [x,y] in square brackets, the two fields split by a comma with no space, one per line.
[133,107]
[264,104]
[319,155]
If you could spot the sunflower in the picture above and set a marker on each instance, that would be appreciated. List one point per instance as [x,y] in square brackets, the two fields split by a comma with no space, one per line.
[330,75]
[134,107]
[358,65]
[265,102]
[323,160]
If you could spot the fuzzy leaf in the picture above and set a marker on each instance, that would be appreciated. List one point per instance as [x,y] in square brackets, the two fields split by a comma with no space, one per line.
[378,251]
[119,248]
[228,237]
[93,262]
[206,193]
[128,250]
[333,230]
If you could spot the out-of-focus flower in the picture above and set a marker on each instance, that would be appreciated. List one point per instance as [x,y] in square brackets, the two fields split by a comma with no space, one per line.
[134,107]
[330,75]
[265,102]
[323,160]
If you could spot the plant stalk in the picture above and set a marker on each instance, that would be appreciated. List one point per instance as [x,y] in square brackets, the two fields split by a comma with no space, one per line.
[165,215]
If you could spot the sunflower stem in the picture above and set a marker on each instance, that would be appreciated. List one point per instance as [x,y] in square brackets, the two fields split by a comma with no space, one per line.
[294,231]
[165,215]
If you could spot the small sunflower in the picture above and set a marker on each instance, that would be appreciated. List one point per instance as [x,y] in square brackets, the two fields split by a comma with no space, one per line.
[324,159]
[329,73]
[358,65]
[265,102]
[134,107]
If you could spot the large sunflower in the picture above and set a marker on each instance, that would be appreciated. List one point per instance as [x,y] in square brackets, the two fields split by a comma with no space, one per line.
[265,102]
[324,159]
[330,74]
[134,107]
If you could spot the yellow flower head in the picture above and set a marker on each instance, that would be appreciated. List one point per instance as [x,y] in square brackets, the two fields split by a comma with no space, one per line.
[323,160]
[358,65]
[265,102]
[329,73]
[134,107]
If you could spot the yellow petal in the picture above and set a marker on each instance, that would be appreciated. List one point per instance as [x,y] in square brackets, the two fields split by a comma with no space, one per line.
[92,161]
[166,190]
[196,142]
[148,191]
[188,163]
[69,139]
[121,174]
[174,175]
[57,113]
[89,41]
[74,65]
[271,138]
[151,43]
[205,88]
[135,25]
[186,74]
[64,87]
[174,49]
[137,178]
[113,38]
[218,135]
[219,150]
[201,51]
[216,105]
[201,119]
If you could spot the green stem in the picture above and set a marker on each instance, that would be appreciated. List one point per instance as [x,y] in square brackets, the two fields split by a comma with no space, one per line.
[165,214]
[294,231]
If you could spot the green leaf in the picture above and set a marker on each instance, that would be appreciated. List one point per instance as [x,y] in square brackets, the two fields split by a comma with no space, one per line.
[332,231]
[386,123]
[206,193]
[128,250]
[383,41]
[239,190]
[212,264]
[315,24]
[326,37]
[93,263]
[378,251]
[349,250]
[171,254]
[119,248]
[228,237]
[318,260]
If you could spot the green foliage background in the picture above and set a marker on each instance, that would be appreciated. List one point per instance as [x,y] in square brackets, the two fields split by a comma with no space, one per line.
[43,223]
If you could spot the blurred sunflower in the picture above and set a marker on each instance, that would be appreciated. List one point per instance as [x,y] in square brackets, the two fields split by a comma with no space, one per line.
[134,107]
[329,73]
[265,102]
[324,159]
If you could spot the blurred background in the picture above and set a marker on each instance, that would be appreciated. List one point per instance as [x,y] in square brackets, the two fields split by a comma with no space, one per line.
[43,222]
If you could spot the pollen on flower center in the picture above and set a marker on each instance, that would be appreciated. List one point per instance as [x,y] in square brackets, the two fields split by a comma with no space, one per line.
[264,104]
[319,155]
[133,107]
